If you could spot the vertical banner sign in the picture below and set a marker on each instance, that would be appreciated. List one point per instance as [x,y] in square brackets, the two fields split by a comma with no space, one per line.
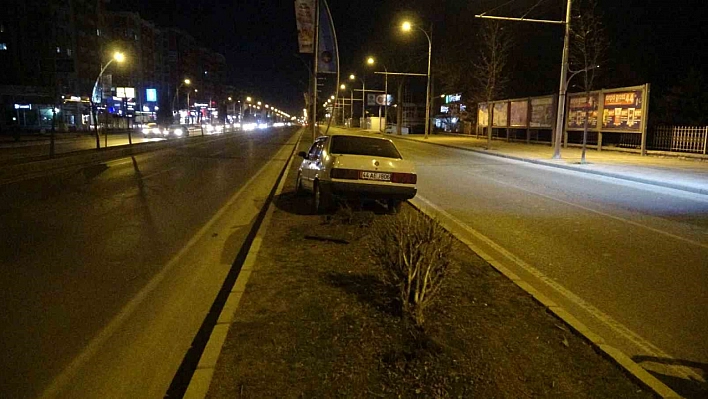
[577,108]
[305,19]
[623,111]
[327,54]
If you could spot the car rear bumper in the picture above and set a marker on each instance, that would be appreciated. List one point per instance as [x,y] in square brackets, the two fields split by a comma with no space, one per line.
[369,191]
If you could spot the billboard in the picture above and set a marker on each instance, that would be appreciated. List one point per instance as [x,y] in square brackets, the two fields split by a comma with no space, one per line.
[151,95]
[577,106]
[519,113]
[482,115]
[542,112]
[500,114]
[373,99]
[623,111]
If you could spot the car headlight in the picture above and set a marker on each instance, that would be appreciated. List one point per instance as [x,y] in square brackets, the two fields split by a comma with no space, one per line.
[179,132]
[146,131]
[209,128]
[156,130]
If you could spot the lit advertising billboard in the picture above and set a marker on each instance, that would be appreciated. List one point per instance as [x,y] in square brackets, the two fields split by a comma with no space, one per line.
[519,113]
[541,112]
[482,115]
[151,95]
[623,111]
[577,108]
[500,114]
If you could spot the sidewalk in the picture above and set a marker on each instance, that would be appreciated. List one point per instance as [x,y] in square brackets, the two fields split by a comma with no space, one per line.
[672,172]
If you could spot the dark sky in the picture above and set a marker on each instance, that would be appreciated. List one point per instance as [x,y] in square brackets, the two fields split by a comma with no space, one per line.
[651,41]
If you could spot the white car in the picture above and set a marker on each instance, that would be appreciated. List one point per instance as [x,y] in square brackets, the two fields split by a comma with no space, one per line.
[355,167]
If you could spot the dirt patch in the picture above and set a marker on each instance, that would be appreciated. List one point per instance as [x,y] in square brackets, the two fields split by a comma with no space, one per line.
[317,321]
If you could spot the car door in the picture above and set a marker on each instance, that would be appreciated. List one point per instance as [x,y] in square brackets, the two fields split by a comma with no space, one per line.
[312,164]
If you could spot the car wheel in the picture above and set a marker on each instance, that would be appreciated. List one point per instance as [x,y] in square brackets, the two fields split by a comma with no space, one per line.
[321,200]
[299,190]
[394,206]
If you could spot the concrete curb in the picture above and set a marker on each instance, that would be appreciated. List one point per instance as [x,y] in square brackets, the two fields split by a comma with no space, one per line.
[201,379]
[659,183]
[625,362]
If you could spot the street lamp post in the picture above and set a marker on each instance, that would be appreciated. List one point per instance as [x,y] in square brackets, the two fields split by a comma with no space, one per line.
[363,97]
[407,27]
[371,61]
[184,82]
[96,98]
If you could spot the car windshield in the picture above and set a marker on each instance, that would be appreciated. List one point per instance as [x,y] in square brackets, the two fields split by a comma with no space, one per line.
[356,145]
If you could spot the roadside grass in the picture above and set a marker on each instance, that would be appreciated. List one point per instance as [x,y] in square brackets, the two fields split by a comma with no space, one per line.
[316,320]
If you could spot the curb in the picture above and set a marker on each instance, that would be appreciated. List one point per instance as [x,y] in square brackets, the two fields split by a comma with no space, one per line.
[201,379]
[694,190]
[640,375]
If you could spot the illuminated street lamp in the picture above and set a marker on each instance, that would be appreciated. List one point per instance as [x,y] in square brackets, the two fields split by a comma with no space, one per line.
[371,61]
[363,97]
[184,82]
[96,97]
[406,27]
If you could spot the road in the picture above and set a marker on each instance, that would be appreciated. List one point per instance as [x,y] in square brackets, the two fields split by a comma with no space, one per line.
[629,260]
[109,270]
[34,147]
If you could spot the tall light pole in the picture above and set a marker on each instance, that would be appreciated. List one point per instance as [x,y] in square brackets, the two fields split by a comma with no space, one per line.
[406,28]
[96,97]
[184,82]
[372,61]
[563,85]
[343,87]
[363,97]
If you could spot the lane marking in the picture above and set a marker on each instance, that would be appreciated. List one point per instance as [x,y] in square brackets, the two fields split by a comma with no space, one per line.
[606,319]
[90,350]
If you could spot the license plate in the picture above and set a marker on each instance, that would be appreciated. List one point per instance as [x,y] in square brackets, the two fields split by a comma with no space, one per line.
[380,176]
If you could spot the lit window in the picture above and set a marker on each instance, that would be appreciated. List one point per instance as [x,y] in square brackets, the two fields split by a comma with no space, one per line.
[58,50]
[3,46]
[2,28]
[69,52]
[98,32]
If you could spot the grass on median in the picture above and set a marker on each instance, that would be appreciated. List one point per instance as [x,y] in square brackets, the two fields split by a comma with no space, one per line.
[317,321]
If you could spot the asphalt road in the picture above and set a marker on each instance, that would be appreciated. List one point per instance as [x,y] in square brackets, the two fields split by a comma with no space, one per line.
[109,270]
[35,147]
[627,259]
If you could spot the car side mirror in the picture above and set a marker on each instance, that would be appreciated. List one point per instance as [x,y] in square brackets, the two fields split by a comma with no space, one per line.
[302,154]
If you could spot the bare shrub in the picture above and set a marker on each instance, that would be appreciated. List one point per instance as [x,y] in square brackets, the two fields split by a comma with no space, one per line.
[414,253]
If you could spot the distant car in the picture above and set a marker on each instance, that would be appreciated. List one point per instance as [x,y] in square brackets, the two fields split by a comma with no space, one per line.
[177,131]
[213,128]
[343,166]
[152,130]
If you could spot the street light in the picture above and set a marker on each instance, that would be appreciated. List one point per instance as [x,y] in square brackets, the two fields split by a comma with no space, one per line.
[95,97]
[184,82]
[372,61]
[363,97]
[406,27]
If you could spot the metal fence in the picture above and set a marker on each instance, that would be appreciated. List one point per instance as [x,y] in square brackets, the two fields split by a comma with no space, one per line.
[692,139]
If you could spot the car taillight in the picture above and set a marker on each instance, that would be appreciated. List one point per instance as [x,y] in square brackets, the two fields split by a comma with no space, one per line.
[405,178]
[350,174]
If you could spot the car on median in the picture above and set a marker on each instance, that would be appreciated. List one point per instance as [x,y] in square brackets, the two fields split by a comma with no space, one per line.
[350,167]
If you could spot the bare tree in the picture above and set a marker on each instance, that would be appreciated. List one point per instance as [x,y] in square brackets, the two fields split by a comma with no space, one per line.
[489,68]
[588,47]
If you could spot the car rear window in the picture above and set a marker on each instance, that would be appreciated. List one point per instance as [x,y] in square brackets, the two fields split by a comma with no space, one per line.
[356,145]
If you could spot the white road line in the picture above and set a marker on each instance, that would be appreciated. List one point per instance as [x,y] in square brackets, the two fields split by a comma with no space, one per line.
[606,319]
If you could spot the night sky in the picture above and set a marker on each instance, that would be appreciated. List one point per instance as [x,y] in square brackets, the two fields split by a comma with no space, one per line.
[650,41]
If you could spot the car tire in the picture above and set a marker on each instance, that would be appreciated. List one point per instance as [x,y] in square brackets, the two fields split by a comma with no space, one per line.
[394,206]
[299,190]
[321,199]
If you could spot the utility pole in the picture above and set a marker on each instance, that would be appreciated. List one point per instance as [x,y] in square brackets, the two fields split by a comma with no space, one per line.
[564,68]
